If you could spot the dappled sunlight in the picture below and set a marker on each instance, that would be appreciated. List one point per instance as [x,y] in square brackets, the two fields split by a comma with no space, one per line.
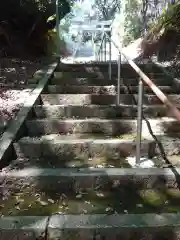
[105,196]
[80,167]
[14,74]
[11,101]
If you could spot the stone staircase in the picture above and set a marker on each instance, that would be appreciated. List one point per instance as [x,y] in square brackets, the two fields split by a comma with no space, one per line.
[72,163]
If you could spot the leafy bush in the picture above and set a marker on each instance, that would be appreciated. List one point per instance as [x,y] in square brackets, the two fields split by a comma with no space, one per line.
[24,25]
[163,36]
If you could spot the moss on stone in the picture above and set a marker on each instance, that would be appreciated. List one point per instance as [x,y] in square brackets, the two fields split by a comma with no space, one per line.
[120,200]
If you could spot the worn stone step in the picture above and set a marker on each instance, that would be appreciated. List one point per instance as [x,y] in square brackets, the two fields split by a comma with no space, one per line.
[119,199]
[75,180]
[14,86]
[87,68]
[115,127]
[104,67]
[82,89]
[75,79]
[100,111]
[69,147]
[54,162]
[102,99]
[154,226]
[89,74]
[171,142]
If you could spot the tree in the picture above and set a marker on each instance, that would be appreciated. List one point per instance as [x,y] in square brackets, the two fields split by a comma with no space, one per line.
[139,14]
[132,23]
[100,10]
[27,23]
[106,9]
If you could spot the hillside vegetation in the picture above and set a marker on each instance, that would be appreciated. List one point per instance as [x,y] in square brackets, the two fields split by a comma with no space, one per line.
[163,37]
[25,28]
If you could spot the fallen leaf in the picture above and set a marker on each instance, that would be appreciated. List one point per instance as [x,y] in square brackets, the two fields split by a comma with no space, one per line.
[139,205]
[43,203]
[99,194]
[64,203]
[79,196]
[108,209]
[50,200]
[17,208]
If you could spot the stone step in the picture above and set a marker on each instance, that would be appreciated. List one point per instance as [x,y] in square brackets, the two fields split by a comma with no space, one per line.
[82,146]
[72,79]
[93,74]
[82,89]
[102,99]
[104,67]
[93,226]
[114,127]
[100,111]
[54,162]
[76,180]
[171,143]
[14,86]
[35,199]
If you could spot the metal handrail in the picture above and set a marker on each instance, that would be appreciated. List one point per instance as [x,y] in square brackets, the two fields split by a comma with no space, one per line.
[143,79]
[98,52]
[148,81]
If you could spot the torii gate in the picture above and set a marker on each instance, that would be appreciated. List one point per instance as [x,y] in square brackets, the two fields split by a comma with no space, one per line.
[93,26]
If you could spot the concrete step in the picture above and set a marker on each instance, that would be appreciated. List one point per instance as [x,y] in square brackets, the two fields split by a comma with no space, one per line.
[82,89]
[102,99]
[82,146]
[93,226]
[72,79]
[100,111]
[114,127]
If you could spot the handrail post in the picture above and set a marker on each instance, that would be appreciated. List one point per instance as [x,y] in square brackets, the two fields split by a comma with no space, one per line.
[98,54]
[105,48]
[57,28]
[110,66]
[119,79]
[101,54]
[139,122]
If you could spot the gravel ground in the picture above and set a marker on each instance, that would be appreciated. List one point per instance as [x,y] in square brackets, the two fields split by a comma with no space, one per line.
[13,73]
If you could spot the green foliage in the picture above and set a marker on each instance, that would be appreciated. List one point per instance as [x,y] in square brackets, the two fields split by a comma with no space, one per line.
[143,15]
[133,21]
[106,9]
[169,19]
[163,36]
[27,24]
